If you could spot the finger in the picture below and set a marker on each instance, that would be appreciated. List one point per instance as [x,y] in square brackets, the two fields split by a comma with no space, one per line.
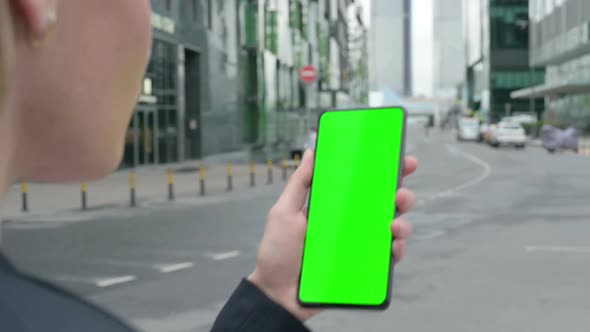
[399,250]
[410,165]
[404,200]
[295,193]
[401,229]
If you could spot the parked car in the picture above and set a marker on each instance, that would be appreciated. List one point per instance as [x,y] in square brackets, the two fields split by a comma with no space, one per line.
[468,129]
[508,133]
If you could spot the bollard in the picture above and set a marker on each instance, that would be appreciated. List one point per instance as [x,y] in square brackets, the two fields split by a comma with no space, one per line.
[230,174]
[84,189]
[170,184]
[24,190]
[297,159]
[132,201]
[252,174]
[202,178]
[269,163]
[284,168]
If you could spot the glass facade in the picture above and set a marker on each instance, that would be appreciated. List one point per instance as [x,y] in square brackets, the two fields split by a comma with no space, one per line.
[560,40]
[502,65]
[516,79]
[163,69]
[571,109]
[509,26]
[153,131]
[225,78]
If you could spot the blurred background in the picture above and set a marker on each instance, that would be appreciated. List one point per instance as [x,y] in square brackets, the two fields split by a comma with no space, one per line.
[498,96]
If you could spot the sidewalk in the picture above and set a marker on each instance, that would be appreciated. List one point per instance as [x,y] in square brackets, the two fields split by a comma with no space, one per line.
[535,142]
[151,183]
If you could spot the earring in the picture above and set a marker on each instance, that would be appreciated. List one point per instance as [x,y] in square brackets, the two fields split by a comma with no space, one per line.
[41,41]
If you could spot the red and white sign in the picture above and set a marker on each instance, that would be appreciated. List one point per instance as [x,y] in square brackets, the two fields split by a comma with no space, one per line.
[308,74]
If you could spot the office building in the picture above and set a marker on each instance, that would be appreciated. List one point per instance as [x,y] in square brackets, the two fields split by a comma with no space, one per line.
[448,48]
[559,40]
[190,105]
[224,75]
[391,46]
[358,32]
[496,34]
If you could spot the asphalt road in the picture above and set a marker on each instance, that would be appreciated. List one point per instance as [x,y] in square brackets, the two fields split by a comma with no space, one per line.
[501,243]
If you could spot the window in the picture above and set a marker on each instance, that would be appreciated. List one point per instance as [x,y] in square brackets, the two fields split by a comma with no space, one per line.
[194,10]
[210,14]
[517,79]
[510,27]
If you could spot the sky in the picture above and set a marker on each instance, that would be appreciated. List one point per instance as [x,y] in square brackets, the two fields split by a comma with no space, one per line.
[422,65]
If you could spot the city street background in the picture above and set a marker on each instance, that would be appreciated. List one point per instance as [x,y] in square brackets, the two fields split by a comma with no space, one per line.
[500,243]
[501,227]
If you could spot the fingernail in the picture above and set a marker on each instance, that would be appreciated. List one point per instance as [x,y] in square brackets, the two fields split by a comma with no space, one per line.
[307,153]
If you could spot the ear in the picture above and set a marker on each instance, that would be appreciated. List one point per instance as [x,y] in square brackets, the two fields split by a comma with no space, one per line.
[37,15]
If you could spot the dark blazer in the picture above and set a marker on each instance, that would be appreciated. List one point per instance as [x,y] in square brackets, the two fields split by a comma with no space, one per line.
[31,305]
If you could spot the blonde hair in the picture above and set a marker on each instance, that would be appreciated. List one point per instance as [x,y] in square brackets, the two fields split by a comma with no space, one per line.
[6,51]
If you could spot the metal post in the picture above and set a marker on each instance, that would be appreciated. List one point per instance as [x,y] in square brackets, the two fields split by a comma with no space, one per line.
[297,159]
[270,165]
[202,178]
[132,200]
[308,89]
[170,185]
[252,174]
[84,189]
[284,168]
[24,189]
[230,173]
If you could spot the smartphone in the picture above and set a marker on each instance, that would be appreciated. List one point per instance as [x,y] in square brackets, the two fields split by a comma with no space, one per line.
[347,257]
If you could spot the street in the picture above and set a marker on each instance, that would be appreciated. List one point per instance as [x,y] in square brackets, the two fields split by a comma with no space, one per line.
[501,243]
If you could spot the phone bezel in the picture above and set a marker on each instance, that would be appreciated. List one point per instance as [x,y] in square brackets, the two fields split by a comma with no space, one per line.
[387,300]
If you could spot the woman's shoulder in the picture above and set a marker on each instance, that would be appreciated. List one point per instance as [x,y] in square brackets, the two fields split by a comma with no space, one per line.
[31,305]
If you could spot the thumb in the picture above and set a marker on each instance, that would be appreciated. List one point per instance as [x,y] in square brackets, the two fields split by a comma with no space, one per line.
[295,193]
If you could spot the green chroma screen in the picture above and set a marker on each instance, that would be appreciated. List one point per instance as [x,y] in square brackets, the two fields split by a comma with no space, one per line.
[347,254]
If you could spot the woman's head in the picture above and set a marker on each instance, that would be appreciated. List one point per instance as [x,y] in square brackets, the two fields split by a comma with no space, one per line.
[76,75]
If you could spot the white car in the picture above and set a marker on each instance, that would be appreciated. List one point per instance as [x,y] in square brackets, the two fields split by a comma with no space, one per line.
[508,133]
[468,129]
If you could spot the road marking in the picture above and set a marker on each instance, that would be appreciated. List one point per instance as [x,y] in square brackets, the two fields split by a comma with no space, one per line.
[107,282]
[487,170]
[173,267]
[225,255]
[429,235]
[560,249]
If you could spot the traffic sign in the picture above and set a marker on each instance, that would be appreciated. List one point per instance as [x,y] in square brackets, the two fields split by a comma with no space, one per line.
[308,74]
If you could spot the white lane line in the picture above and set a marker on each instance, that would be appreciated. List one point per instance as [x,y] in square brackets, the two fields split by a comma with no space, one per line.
[174,267]
[486,171]
[430,235]
[224,255]
[107,282]
[559,249]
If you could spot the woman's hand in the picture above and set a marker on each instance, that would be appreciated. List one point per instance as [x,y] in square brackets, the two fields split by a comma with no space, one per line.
[279,258]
